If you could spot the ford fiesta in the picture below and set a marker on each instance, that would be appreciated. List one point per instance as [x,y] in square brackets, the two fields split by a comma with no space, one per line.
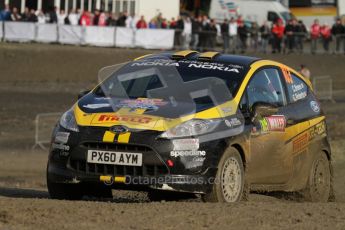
[193,123]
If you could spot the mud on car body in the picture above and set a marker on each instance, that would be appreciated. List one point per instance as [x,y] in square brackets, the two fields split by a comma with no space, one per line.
[206,123]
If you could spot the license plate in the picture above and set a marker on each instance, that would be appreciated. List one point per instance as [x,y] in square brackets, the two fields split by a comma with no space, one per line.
[114,158]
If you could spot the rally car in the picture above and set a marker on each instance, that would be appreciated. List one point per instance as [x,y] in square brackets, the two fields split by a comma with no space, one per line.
[193,123]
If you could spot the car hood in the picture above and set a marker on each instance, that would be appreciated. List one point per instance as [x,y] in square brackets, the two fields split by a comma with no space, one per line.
[143,113]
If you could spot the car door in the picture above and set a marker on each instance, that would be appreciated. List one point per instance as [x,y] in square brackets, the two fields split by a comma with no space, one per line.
[270,162]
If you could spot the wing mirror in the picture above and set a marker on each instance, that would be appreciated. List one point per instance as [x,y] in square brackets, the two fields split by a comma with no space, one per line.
[83,93]
[262,109]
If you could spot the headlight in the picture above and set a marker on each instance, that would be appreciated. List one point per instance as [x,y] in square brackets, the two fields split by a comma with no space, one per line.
[191,128]
[67,121]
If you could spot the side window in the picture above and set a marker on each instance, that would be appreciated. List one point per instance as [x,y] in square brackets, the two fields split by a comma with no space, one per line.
[266,86]
[297,89]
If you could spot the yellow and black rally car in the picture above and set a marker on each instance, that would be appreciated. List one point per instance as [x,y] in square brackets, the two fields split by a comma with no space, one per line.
[193,123]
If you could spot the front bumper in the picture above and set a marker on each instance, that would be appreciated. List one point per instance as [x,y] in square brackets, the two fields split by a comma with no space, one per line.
[67,162]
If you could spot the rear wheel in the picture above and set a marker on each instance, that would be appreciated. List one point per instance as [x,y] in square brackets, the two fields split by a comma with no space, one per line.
[319,187]
[230,184]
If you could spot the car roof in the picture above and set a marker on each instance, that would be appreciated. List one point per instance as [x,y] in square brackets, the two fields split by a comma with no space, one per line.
[192,55]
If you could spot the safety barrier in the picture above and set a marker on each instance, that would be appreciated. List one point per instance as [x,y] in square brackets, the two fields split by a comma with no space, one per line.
[1,29]
[44,125]
[90,35]
[323,87]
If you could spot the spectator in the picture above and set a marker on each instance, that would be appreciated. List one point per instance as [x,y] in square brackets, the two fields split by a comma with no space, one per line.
[53,15]
[26,15]
[15,16]
[254,35]
[326,36]
[265,35]
[338,31]
[242,34]
[290,30]
[111,20]
[159,20]
[95,19]
[121,22]
[301,31]
[73,18]
[187,32]
[314,35]
[178,32]
[41,18]
[225,35]
[131,22]
[233,35]
[61,17]
[173,23]
[212,34]
[5,14]
[102,19]
[278,34]
[141,24]
[164,24]
[32,16]
[153,24]
[305,71]
[196,30]
[85,19]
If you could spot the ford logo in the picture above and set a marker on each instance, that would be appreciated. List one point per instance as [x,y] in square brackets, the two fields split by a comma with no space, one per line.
[119,129]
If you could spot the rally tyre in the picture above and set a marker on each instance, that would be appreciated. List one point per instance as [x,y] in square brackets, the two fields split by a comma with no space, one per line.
[319,185]
[229,183]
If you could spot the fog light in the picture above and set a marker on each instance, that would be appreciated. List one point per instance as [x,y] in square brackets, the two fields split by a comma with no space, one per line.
[170,163]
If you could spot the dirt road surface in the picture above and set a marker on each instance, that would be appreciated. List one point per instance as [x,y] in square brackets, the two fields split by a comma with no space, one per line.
[46,78]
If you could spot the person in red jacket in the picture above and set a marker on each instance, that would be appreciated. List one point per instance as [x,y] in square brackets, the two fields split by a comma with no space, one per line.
[141,24]
[278,34]
[326,36]
[314,35]
[85,19]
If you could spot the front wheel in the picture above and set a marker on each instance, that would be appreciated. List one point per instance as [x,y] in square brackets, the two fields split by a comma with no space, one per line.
[319,186]
[229,185]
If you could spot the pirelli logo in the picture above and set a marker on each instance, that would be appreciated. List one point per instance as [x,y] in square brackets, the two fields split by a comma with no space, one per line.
[104,118]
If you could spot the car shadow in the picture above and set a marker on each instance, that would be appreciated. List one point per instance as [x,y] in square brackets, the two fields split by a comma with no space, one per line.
[23,193]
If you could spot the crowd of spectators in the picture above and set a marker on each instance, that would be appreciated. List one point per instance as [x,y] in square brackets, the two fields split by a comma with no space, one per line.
[203,33]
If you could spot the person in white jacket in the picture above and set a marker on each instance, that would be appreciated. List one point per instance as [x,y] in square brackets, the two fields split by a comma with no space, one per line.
[232,35]
[187,32]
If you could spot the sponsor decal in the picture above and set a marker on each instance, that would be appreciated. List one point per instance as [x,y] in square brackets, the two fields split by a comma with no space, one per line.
[287,75]
[64,154]
[60,146]
[273,123]
[315,106]
[97,106]
[185,144]
[141,103]
[199,159]
[156,63]
[300,143]
[317,129]
[298,91]
[227,110]
[233,122]
[213,67]
[187,153]
[192,64]
[133,119]
[62,137]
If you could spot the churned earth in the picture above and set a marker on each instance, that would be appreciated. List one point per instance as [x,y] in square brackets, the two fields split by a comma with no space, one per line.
[36,78]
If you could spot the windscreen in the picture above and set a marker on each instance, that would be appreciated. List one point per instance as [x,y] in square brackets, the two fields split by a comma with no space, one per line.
[175,88]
